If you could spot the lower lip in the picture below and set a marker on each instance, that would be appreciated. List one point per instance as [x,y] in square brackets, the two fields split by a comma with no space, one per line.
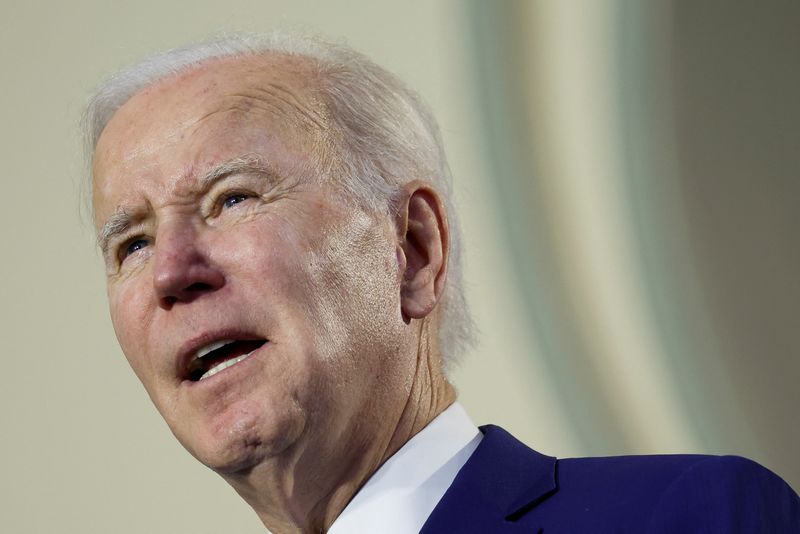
[229,371]
[225,365]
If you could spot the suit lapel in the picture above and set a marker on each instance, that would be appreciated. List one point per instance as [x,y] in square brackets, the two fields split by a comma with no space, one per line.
[502,481]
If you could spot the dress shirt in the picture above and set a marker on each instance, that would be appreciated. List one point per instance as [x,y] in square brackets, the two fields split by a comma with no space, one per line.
[401,494]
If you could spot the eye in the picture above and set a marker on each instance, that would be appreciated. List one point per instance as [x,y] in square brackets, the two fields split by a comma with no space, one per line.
[229,201]
[133,246]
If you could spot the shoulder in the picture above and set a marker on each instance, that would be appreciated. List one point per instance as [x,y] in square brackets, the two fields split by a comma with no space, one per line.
[653,494]
[659,469]
[726,494]
[682,493]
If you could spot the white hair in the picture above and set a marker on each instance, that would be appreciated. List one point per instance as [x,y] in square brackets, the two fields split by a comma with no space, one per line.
[385,136]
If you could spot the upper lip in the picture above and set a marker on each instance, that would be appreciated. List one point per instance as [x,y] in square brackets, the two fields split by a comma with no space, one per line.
[189,349]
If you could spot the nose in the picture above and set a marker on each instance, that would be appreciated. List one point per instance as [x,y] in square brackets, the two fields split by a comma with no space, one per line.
[183,270]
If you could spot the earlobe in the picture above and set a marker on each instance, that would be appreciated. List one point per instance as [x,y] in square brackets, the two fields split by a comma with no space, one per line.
[423,251]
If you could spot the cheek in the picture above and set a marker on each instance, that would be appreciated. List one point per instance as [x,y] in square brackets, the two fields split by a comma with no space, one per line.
[354,281]
[127,308]
[258,260]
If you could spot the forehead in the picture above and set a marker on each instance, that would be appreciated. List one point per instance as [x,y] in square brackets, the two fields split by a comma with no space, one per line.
[265,105]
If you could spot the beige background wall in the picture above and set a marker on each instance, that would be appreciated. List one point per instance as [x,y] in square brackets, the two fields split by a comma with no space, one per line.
[550,103]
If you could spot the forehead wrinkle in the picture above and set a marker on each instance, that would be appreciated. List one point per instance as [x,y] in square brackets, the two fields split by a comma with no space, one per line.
[243,106]
[280,107]
[312,113]
[275,99]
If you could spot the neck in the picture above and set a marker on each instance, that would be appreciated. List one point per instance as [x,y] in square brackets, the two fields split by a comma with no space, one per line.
[307,488]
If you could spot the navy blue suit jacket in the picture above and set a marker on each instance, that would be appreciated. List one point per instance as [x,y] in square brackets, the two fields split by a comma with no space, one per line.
[508,487]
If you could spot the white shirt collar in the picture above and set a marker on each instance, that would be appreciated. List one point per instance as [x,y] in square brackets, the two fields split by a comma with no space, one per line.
[403,492]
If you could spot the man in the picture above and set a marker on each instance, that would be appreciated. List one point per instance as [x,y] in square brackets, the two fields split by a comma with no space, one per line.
[282,266]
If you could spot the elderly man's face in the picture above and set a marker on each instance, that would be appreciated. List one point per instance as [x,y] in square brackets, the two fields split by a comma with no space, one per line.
[294,292]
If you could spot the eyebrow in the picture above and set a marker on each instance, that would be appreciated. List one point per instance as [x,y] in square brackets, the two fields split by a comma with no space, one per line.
[246,164]
[123,219]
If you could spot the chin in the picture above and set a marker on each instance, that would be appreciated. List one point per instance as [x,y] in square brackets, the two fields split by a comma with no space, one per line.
[239,459]
[236,443]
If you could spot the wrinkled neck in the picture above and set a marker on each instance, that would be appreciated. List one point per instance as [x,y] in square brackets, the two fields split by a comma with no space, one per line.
[274,488]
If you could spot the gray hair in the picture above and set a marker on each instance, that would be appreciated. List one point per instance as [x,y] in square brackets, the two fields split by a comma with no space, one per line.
[385,136]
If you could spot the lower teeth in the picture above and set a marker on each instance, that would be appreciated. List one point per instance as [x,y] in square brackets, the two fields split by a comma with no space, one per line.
[224,365]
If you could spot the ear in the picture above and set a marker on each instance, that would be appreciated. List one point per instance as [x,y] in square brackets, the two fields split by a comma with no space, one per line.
[423,249]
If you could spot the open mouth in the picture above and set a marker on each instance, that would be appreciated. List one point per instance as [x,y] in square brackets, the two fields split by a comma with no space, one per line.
[218,356]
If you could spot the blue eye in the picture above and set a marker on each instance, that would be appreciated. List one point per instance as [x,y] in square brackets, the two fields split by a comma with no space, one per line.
[134,246]
[232,200]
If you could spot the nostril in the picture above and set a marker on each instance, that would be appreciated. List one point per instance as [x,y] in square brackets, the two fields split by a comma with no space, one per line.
[198,287]
[187,294]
